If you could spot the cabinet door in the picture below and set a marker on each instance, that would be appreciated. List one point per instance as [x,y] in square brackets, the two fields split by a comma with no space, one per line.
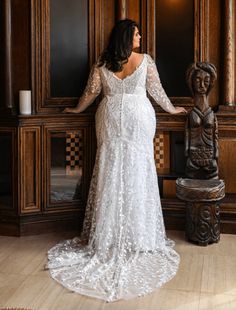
[67,38]
[61,41]
[67,167]
[8,180]
[30,169]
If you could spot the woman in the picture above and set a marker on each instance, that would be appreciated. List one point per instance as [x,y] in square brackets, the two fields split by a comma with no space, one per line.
[126,252]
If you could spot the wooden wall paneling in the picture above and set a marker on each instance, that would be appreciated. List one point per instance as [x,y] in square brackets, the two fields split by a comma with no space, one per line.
[143,12]
[228,214]
[12,208]
[36,95]
[107,19]
[121,9]
[201,34]
[213,42]
[15,37]
[91,39]
[169,188]
[133,10]
[234,44]
[102,17]
[21,49]
[8,79]
[169,122]
[151,28]
[143,26]
[227,167]
[15,168]
[207,39]
[228,53]
[30,169]
[2,57]
[174,213]
[37,59]
[148,26]
[98,29]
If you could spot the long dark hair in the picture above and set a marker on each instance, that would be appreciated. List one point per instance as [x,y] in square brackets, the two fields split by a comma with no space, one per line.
[120,45]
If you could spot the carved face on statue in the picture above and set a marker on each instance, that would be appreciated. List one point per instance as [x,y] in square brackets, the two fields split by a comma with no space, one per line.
[200,77]
[201,82]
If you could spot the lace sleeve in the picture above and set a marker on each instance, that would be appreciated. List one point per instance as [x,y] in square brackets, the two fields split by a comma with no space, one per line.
[92,90]
[155,89]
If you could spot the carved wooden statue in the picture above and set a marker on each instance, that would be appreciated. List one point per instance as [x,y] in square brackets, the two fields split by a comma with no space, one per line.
[201,190]
[201,145]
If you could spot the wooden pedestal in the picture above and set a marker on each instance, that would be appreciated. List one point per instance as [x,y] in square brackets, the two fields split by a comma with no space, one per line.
[203,222]
[202,208]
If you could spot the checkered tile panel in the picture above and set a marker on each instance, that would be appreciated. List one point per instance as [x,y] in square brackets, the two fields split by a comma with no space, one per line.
[159,150]
[74,151]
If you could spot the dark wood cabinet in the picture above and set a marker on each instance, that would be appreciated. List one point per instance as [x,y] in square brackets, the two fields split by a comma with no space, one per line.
[45,180]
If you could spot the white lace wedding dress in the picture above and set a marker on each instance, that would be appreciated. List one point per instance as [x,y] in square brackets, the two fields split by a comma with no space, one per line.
[127,253]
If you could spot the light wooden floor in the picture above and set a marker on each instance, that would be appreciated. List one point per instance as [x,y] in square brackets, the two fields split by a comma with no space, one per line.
[206,278]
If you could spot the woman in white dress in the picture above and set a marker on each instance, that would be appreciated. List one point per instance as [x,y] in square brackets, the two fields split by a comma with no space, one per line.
[123,251]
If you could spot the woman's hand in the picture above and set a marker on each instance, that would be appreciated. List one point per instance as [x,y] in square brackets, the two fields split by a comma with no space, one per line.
[70,110]
[179,110]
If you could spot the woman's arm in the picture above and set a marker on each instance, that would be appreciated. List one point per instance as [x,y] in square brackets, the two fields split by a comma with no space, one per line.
[91,91]
[155,89]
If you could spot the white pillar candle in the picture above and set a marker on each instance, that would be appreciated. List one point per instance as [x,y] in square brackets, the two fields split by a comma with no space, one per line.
[25,102]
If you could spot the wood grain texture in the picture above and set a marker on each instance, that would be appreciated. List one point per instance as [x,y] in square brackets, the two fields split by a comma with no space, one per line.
[227,167]
[169,189]
[121,9]
[8,54]
[25,284]
[30,170]
[229,55]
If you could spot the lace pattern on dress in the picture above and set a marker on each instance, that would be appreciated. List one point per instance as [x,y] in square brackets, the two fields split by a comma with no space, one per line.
[154,87]
[93,88]
[126,253]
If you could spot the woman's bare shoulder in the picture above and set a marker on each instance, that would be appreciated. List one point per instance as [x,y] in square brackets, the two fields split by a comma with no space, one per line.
[138,56]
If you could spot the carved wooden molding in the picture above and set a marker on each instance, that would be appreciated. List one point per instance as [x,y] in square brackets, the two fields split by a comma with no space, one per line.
[96,31]
[30,171]
[8,54]
[151,28]
[201,30]
[121,9]
[229,55]
[148,26]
